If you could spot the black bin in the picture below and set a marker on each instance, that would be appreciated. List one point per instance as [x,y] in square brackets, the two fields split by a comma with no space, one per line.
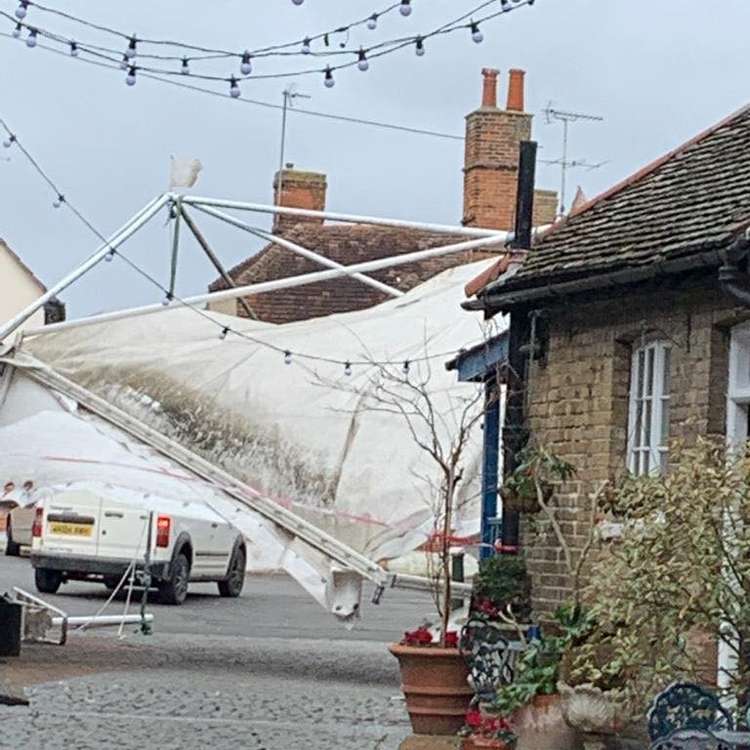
[10,627]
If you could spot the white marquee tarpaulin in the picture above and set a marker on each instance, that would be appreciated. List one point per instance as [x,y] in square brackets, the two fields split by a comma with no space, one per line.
[296,432]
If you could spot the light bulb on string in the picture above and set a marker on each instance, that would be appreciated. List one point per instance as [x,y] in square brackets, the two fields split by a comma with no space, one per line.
[58,201]
[23,6]
[287,358]
[31,38]
[131,51]
[185,69]
[419,46]
[306,46]
[109,256]
[372,22]
[405,8]
[234,88]
[297,2]
[224,332]
[476,33]
[347,368]
[363,63]
[167,299]
[9,141]
[246,67]
[124,63]
[405,368]
[17,31]
[130,78]
[73,49]
[329,80]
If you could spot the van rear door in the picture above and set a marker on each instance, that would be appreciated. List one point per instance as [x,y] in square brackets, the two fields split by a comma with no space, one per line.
[123,529]
[71,523]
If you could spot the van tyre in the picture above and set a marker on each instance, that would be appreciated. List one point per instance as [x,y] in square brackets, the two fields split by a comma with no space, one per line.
[11,548]
[174,591]
[231,586]
[47,581]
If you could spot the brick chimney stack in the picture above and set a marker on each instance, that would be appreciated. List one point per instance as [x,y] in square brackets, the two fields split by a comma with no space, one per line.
[298,190]
[493,136]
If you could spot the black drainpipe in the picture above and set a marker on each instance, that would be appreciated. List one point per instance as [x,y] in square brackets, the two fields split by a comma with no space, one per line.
[514,428]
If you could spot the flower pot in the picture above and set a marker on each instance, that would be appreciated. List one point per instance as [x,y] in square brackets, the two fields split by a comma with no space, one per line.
[523,502]
[477,742]
[434,682]
[540,726]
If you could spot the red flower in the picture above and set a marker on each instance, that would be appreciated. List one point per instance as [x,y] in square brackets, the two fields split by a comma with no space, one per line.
[451,639]
[419,637]
[474,718]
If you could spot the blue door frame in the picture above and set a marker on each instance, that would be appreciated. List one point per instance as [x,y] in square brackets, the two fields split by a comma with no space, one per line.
[482,364]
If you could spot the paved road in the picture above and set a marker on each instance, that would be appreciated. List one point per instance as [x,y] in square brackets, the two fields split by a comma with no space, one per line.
[269,670]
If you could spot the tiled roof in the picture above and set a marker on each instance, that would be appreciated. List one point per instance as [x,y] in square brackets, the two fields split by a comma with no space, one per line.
[695,198]
[346,244]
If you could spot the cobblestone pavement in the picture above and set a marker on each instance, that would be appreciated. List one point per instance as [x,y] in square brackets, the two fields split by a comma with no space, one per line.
[177,692]
[269,671]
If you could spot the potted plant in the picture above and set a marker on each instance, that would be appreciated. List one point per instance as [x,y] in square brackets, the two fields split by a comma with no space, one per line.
[502,588]
[531,702]
[485,731]
[434,673]
[535,474]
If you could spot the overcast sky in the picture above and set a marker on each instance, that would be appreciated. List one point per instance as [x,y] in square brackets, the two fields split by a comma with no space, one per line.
[658,72]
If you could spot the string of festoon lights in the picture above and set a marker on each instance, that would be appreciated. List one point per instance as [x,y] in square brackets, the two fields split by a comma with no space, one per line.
[361,57]
[287,356]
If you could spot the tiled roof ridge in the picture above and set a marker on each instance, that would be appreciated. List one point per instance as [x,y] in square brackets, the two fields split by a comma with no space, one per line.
[645,171]
[290,234]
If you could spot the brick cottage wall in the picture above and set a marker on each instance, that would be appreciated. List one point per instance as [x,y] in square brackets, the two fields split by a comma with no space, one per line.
[578,401]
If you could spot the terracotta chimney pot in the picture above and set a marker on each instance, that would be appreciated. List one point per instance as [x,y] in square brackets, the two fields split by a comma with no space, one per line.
[515,90]
[489,87]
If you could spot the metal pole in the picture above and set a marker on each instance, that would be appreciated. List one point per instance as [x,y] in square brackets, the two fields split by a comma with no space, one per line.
[126,231]
[145,624]
[303,251]
[101,621]
[564,170]
[175,247]
[194,200]
[279,193]
[228,280]
[288,283]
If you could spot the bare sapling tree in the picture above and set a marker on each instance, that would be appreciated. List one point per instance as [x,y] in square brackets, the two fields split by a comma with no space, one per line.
[442,420]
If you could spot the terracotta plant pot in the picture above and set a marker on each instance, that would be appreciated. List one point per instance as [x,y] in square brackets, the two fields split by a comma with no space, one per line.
[475,742]
[434,682]
[540,726]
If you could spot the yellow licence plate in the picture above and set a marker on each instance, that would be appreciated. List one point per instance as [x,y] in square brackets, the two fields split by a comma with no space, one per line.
[71,529]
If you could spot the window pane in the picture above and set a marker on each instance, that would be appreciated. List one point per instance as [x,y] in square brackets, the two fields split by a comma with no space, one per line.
[646,437]
[650,372]
[638,423]
[645,463]
[664,432]
[641,360]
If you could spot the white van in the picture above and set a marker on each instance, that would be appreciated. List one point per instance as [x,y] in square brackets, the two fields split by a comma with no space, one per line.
[81,535]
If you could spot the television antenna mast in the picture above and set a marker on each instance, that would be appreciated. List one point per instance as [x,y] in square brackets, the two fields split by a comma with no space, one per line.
[290,94]
[558,115]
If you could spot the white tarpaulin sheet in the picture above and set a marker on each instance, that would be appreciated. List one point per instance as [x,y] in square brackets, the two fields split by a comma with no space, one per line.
[300,432]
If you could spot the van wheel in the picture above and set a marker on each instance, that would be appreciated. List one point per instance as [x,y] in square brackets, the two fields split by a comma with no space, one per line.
[11,548]
[174,591]
[47,581]
[231,586]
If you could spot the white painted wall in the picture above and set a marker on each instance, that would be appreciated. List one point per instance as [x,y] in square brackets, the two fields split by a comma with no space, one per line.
[18,289]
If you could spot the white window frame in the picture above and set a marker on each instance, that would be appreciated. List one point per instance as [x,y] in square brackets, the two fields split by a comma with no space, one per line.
[647,446]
